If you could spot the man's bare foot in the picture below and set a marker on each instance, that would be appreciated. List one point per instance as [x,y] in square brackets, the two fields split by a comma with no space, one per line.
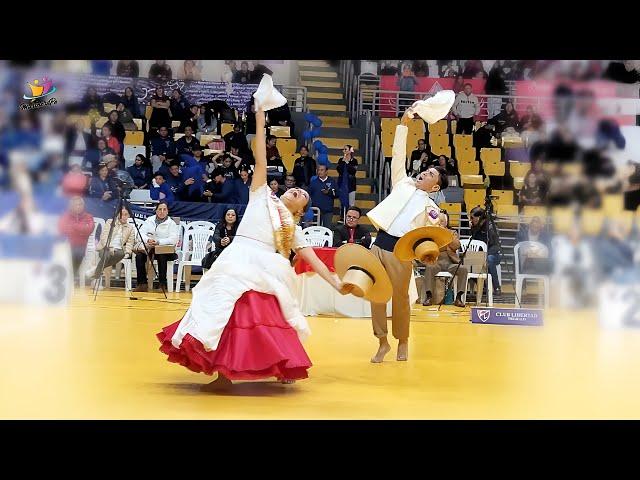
[403,351]
[383,349]
[220,383]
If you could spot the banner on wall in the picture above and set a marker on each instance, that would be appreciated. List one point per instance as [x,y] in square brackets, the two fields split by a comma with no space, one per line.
[426,85]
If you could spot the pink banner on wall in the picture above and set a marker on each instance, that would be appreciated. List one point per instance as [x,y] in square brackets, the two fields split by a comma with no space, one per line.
[388,101]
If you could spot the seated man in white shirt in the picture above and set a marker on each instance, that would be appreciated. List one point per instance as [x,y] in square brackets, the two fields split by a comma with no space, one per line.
[407,207]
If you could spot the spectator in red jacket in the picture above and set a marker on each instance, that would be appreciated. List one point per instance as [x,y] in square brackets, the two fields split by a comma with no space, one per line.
[76,224]
[74,182]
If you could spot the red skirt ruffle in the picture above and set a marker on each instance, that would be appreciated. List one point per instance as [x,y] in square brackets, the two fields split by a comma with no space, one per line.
[256,343]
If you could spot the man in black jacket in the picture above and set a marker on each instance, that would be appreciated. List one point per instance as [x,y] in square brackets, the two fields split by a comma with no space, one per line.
[482,229]
[351,232]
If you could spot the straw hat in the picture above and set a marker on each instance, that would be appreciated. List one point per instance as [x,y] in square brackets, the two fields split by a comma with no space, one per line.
[423,244]
[359,268]
[267,97]
[435,108]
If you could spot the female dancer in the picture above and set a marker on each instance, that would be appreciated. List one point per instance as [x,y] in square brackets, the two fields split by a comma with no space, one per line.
[244,321]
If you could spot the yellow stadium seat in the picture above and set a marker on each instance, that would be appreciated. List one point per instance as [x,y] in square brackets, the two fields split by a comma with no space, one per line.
[468,168]
[289,160]
[226,128]
[101,121]
[286,146]
[462,141]
[505,197]
[466,154]
[133,138]
[207,139]
[612,204]
[534,211]
[276,130]
[476,181]
[518,169]
[494,169]
[591,220]
[441,150]
[438,140]
[504,210]
[473,197]
[490,155]
[454,210]
[563,219]
[108,107]
[439,127]
[416,127]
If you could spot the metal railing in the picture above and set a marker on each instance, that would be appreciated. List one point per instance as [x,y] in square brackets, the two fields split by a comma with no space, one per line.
[296,96]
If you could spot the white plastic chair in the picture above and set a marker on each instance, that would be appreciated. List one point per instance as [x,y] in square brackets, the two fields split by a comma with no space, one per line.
[195,247]
[90,254]
[479,246]
[521,277]
[199,224]
[318,236]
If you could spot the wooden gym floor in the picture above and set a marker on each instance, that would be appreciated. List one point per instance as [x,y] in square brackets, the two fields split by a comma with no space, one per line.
[101,361]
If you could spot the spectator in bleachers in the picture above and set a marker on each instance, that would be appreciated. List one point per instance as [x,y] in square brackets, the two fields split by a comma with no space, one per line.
[162,146]
[91,101]
[103,151]
[472,68]
[160,116]
[100,186]
[158,229]
[242,186]
[76,224]
[160,189]
[418,154]
[275,166]
[274,185]
[507,118]
[425,164]
[176,181]
[534,232]
[128,68]
[448,70]
[236,138]
[323,191]
[110,139]
[347,168]
[202,125]
[74,182]
[220,189]
[304,167]
[449,164]
[117,129]
[125,117]
[190,119]
[495,85]
[140,172]
[483,136]
[482,229]
[190,71]
[207,164]
[243,75]
[179,107]
[131,102]
[351,231]
[458,84]
[78,141]
[389,68]
[281,116]
[448,261]
[160,72]
[533,259]
[420,68]
[185,145]
[242,159]
[531,125]
[406,83]
[225,231]
[613,250]
[229,168]
[531,192]
[289,182]
[120,245]
[465,108]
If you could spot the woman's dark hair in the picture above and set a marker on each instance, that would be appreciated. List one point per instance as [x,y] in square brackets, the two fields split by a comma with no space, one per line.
[145,161]
[355,209]
[107,126]
[112,111]
[477,212]
[303,146]
[161,202]
[270,137]
[230,210]
[125,92]
[121,210]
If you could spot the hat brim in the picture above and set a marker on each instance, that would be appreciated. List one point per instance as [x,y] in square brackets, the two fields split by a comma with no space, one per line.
[353,255]
[404,247]
[435,108]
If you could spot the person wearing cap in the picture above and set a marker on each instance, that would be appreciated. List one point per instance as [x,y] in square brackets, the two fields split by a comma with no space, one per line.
[219,189]
[406,208]
[160,189]
[448,261]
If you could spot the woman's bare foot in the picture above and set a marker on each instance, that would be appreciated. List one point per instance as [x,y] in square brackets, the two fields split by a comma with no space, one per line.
[220,383]
[383,349]
[403,351]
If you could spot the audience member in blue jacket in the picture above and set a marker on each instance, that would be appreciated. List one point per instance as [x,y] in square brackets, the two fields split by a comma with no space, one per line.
[322,190]
[100,187]
[220,189]
[160,190]
[242,186]
[186,144]
[140,172]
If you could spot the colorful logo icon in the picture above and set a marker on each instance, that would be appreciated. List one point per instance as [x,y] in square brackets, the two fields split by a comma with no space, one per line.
[40,88]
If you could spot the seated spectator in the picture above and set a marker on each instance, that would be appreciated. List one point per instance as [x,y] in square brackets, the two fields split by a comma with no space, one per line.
[220,189]
[125,117]
[351,231]
[449,164]
[103,151]
[275,166]
[507,118]
[74,182]
[274,185]
[158,229]
[448,261]
[389,68]
[77,225]
[243,75]
[92,103]
[162,146]
[420,68]
[140,172]
[186,144]
[120,246]
[533,259]
[160,116]
[78,141]
[614,252]
[574,268]
[242,187]
[322,191]
[417,155]
[531,120]
[473,68]
[160,190]
[225,231]
[100,186]
[191,119]
[130,102]
[236,138]
[207,165]
[166,165]
[128,68]
[531,192]
[534,232]
[176,181]
[483,136]
[486,231]
[160,72]
[112,141]
[304,167]
[179,107]
[117,129]
[289,182]
[190,71]
[203,126]
[447,70]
